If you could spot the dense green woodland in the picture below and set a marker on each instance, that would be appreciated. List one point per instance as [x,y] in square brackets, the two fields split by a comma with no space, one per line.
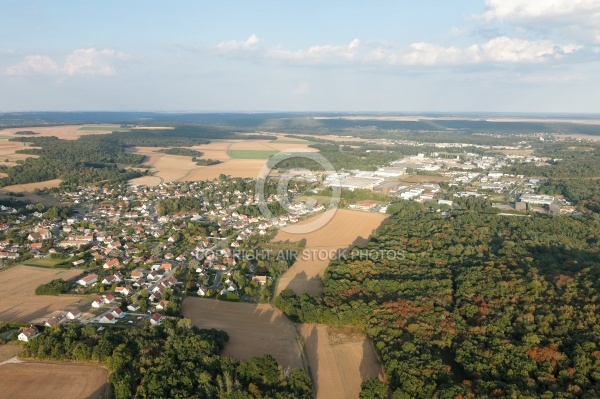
[54,287]
[478,306]
[182,151]
[174,360]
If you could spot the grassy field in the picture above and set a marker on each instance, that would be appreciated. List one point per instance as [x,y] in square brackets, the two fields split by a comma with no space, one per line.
[251,154]
[50,380]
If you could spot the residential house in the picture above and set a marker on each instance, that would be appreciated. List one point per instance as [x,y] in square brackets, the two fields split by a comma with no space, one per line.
[134,307]
[137,274]
[88,280]
[27,333]
[73,314]
[162,305]
[111,263]
[109,280]
[125,291]
[56,320]
[108,318]
[262,280]
[156,319]
[9,255]
[97,303]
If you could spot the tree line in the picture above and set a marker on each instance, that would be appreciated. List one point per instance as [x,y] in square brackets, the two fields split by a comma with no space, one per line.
[174,360]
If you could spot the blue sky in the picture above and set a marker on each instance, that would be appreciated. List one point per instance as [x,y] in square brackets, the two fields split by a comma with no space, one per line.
[388,56]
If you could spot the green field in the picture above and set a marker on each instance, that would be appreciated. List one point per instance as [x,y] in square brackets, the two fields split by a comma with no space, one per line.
[251,154]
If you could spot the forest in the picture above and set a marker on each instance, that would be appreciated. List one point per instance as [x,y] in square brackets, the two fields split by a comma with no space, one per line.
[479,305]
[182,151]
[54,287]
[89,159]
[174,360]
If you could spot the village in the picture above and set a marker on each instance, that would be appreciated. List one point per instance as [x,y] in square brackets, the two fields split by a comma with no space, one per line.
[140,248]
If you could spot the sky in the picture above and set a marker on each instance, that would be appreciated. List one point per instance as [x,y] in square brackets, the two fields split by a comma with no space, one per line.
[532,56]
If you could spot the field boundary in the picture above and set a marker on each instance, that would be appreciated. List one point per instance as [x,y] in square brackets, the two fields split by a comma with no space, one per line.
[304,356]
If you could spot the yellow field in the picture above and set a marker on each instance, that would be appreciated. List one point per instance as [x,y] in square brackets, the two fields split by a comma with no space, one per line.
[167,167]
[344,229]
[18,302]
[254,329]
[8,149]
[8,351]
[67,132]
[50,380]
[236,168]
[30,187]
[339,363]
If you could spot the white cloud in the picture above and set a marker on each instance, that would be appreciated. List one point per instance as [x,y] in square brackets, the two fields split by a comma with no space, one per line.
[80,62]
[578,19]
[34,65]
[317,54]
[234,45]
[505,49]
[522,10]
[499,50]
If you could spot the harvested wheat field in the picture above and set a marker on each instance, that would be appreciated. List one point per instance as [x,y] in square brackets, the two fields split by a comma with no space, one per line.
[8,152]
[8,351]
[18,302]
[173,167]
[151,153]
[344,229]
[339,362]
[51,380]
[67,132]
[254,329]
[165,167]
[146,181]
[216,149]
[30,187]
[235,168]
[45,199]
